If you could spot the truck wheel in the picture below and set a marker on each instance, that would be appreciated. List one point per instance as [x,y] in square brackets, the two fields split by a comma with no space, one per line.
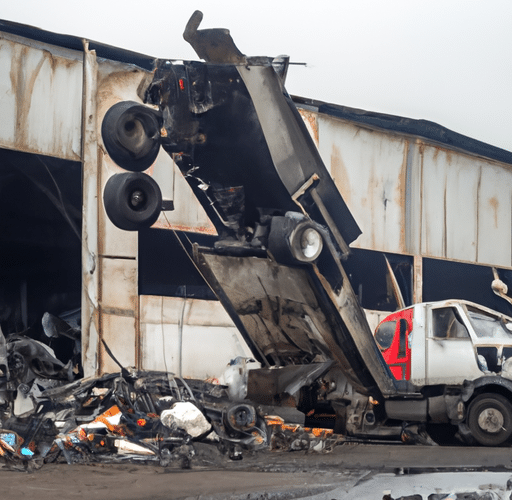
[490,419]
[132,201]
[131,134]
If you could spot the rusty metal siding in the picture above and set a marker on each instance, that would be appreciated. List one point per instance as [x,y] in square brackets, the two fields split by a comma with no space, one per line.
[118,304]
[450,205]
[90,182]
[415,197]
[40,98]
[189,337]
[494,245]
[466,213]
[369,169]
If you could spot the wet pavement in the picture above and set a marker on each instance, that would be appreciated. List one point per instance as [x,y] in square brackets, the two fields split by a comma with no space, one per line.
[349,472]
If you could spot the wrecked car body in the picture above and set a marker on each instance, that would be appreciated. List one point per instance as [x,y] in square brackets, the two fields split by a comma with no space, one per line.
[457,354]
[239,141]
[284,232]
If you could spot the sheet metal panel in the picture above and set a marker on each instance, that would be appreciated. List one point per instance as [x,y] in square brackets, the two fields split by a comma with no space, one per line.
[119,313]
[495,215]
[466,212]
[369,169]
[119,341]
[40,98]
[194,337]
[414,202]
[414,197]
[188,214]
[449,215]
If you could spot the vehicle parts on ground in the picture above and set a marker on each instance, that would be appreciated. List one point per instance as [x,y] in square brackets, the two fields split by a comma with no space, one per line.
[146,416]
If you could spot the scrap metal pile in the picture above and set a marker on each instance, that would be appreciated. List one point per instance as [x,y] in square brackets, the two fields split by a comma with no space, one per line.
[49,413]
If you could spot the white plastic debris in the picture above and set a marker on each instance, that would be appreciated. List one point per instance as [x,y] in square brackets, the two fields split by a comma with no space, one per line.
[236,377]
[186,416]
[127,447]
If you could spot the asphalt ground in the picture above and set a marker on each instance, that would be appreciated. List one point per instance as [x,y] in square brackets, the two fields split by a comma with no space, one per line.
[340,474]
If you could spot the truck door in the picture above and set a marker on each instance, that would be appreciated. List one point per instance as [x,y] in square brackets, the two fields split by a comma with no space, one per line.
[450,355]
[392,337]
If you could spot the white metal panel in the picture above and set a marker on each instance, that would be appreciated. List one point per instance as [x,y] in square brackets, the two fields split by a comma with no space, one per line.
[119,285]
[40,99]
[7,95]
[462,181]
[188,214]
[451,361]
[450,204]
[413,200]
[310,119]
[162,172]
[375,317]
[194,337]
[417,345]
[119,307]
[120,341]
[369,169]
[495,215]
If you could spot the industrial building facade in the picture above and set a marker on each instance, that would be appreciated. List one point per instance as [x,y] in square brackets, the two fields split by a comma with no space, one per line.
[436,204]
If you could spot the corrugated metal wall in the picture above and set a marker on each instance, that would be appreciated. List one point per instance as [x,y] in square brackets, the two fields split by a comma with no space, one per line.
[40,98]
[410,196]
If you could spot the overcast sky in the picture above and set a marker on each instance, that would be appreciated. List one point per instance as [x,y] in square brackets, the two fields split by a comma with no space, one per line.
[442,60]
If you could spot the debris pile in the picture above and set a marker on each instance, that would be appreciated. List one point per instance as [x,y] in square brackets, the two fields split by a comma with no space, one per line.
[48,412]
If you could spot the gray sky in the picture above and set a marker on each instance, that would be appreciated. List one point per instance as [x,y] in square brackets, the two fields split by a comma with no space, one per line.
[442,60]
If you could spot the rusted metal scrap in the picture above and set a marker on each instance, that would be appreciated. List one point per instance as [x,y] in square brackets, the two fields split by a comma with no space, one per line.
[144,416]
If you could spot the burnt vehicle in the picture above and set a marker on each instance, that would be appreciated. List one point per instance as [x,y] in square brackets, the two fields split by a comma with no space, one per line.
[283,235]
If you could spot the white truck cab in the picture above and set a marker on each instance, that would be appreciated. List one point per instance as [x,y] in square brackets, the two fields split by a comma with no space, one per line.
[455,347]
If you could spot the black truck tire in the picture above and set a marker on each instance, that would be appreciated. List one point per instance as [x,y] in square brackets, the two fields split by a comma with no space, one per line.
[490,419]
[132,201]
[131,134]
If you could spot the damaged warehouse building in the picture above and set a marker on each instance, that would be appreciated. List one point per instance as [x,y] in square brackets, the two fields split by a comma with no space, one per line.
[434,207]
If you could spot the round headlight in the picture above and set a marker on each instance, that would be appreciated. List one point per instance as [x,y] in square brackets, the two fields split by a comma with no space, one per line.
[310,243]
[306,243]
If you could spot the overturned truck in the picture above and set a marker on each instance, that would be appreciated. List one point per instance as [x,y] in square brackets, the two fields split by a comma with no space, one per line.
[277,265]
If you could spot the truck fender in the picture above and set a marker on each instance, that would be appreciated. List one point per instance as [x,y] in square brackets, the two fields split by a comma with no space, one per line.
[475,386]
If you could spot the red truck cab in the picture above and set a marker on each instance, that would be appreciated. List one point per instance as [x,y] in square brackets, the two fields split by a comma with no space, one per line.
[392,337]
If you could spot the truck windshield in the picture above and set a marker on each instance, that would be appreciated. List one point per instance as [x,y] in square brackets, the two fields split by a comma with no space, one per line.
[489,326]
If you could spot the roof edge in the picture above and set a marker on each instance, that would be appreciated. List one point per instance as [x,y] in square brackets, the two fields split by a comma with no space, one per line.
[76,43]
[421,128]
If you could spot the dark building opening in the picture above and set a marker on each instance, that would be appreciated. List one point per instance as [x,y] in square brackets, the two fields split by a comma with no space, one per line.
[371,280]
[165,267]
[444,279]
[40,239]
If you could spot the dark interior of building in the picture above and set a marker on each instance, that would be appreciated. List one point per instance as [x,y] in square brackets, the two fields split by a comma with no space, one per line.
[40,239]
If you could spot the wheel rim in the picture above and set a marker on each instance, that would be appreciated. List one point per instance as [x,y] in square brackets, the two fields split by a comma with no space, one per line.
[491,420]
